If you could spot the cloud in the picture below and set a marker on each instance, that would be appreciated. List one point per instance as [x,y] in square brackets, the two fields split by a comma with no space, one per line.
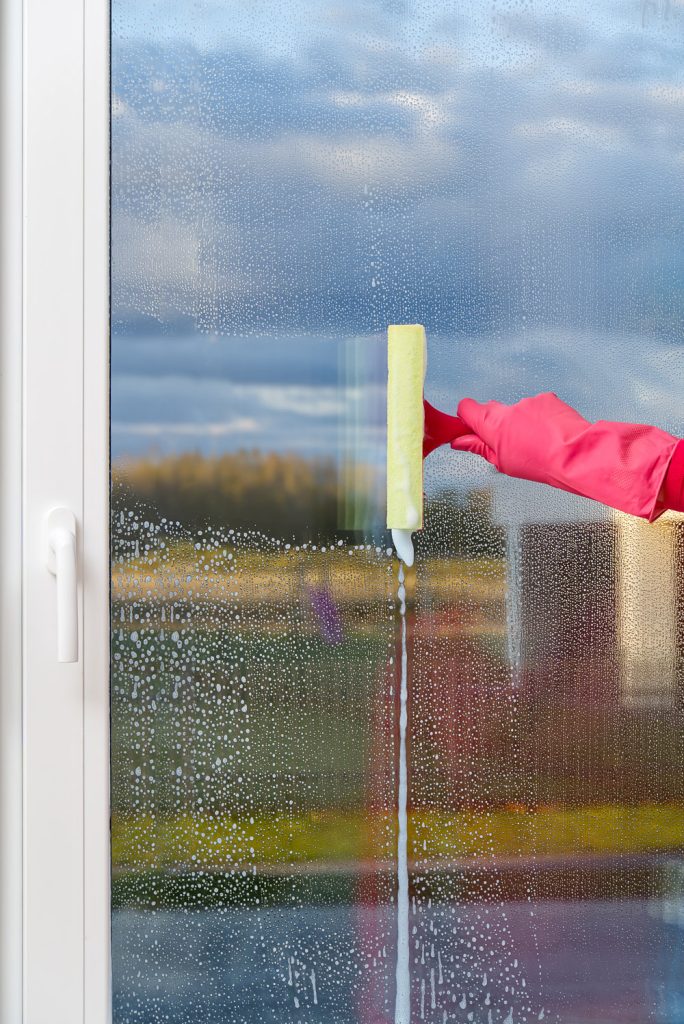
[214,395]
[312,402]
[241,427]
[573,131]
[221,405]
[293,179]
[353,184]
[358,164]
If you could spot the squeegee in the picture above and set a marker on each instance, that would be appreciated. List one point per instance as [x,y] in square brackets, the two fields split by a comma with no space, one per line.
[406,364]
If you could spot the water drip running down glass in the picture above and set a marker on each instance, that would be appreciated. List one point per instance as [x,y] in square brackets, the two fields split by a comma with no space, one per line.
[402,1011]
[513,603]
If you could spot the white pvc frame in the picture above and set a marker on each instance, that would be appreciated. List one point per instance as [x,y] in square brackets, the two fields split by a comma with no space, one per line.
[10,511]
[54,450]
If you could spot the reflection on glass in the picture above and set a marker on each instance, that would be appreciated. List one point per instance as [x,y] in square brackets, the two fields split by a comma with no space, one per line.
[287,179]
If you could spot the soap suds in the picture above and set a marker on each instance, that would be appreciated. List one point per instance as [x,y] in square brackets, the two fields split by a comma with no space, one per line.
[403,543]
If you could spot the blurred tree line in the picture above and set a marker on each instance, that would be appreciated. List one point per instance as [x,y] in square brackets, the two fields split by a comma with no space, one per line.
[287,496]
[282,495]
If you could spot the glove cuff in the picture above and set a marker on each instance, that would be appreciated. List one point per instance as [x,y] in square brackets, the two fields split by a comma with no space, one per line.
[672,492]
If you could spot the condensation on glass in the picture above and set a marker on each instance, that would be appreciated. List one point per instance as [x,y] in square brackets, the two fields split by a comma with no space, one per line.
[287,179]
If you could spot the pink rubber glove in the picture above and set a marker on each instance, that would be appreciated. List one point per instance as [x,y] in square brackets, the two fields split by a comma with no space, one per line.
[623,465]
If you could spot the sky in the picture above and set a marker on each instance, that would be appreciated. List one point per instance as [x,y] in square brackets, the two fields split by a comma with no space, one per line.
[288,178]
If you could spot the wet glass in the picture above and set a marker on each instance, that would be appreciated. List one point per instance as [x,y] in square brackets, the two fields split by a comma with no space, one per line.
[288,178]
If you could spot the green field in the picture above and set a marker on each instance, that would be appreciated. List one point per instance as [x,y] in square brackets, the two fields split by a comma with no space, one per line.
[215,842]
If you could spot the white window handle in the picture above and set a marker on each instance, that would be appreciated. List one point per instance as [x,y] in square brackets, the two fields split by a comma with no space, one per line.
[62,562]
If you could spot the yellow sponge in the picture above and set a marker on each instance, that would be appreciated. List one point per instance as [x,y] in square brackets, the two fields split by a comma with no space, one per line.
[406,362]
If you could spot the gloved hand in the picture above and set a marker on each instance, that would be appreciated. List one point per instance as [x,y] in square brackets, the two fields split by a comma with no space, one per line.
[623,465]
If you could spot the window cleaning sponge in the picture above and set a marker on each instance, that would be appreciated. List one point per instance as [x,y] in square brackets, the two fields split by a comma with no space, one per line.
[406,363]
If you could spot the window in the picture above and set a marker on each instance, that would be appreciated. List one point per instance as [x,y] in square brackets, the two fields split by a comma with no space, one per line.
[288,178]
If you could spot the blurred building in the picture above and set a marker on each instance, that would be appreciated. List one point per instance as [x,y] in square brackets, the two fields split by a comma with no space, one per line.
[649,582]
[560,681]
[596,609]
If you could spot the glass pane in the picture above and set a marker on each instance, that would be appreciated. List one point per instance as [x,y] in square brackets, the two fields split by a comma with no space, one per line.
[287,179]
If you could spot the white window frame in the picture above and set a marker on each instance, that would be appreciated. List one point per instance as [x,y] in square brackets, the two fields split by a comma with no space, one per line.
[54,450]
